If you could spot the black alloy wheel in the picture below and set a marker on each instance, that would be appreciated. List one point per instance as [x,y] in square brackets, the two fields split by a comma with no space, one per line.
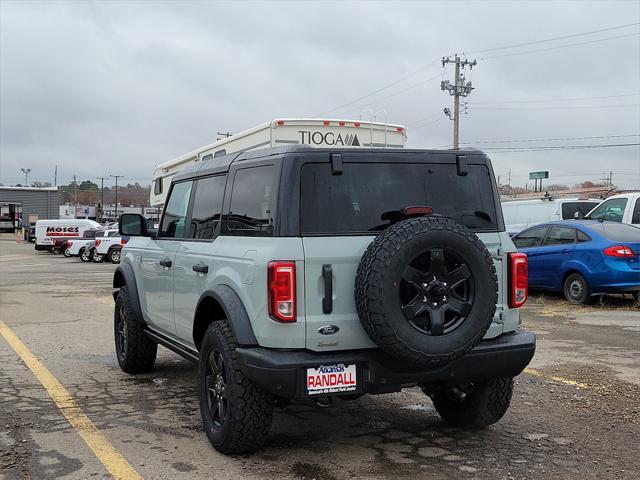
[216,385]
[121,332]
[436,292]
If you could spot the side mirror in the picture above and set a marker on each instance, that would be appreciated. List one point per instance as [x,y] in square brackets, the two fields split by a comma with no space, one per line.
[133,225]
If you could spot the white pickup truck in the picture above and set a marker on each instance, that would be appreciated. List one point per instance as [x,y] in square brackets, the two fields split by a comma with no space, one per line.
[621,208]
[108,247]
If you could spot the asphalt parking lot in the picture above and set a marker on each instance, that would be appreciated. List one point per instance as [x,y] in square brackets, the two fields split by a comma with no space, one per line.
[575,412]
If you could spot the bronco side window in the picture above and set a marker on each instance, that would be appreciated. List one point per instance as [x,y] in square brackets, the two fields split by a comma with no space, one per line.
[251,210]
[174,221]
[207,206]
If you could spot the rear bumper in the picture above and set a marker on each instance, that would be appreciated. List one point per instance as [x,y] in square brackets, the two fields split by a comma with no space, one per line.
[283,372]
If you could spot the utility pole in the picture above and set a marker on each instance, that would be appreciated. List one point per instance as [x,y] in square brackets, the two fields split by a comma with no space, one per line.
[102,179]
[55,177]
[509,182]
[459,88]
[75,197]
[116,177]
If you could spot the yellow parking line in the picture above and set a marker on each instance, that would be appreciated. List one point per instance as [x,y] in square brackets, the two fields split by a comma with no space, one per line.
[555,378]
[115,463]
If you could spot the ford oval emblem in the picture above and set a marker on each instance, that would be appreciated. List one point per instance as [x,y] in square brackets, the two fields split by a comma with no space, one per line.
[328,330]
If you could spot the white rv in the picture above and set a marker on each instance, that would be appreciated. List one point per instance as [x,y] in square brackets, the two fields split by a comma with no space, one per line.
[314,132]
[48,230]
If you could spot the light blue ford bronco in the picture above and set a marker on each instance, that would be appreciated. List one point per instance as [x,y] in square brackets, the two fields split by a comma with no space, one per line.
[301,273]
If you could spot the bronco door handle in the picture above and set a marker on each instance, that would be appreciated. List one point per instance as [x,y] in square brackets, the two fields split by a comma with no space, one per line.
[201,268]
[165,262]
[327,301]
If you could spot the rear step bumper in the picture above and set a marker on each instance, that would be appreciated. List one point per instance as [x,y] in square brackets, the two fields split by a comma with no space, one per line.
[284,372]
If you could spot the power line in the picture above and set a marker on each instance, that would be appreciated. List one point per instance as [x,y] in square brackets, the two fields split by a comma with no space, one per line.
[389,85]
[551,139]
[561,46]
[391,95]
[563,37]
[425,125]
[547,148]
[430,117]
[566,107]
[557,99]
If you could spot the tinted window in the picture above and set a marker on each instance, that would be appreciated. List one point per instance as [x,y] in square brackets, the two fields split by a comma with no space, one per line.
[207,206]
[357,200]
[250,211]
[635,218]
[569,209]
[583,237]
[174,220]
[560,236]
[530,238]
[611,210]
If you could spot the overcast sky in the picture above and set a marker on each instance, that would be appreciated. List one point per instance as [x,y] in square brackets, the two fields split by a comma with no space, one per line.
[117,87]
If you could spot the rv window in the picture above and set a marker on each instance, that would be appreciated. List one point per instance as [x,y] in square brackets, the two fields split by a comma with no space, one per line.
[207,157]
[157,186]
[220,153]
[250,212]
[174,221]
[207,206]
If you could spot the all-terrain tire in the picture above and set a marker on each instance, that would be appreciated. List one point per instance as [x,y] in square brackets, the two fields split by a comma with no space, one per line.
[248,409]
[135,351]
[484,405]
[376,290]
[576,290]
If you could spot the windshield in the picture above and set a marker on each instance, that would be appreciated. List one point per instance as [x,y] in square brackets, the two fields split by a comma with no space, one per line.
[356,200]
[611,210]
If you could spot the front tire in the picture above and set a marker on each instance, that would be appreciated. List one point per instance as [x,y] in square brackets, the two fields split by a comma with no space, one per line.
[135,351]
[484,404]
[576,290]
[236,415]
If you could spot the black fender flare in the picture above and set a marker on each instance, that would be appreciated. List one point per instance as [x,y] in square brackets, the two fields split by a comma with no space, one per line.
[125,277]
[235,313]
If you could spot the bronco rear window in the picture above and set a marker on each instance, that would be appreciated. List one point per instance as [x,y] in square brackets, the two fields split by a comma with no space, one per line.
[355,201]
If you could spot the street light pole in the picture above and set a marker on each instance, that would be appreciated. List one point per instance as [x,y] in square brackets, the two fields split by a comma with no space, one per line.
[26,176]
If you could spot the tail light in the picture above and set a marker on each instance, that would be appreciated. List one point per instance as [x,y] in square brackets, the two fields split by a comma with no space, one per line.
[97,242]
[123,241]
[618,251]
[518,279]
[282,290]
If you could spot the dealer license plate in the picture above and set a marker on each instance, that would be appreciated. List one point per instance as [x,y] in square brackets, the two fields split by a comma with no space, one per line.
[329,379]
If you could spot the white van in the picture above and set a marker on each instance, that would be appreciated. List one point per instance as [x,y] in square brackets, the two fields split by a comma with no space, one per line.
[622,208]
[48,230]
[520,214]
[315,132]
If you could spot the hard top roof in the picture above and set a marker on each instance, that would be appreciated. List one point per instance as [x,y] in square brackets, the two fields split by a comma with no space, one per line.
[222,163]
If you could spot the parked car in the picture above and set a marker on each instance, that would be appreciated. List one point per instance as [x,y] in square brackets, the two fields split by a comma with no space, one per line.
[252,276]
[74,247]
[582,258]
[622,208]
[109,247]
[520,214]
[93,253]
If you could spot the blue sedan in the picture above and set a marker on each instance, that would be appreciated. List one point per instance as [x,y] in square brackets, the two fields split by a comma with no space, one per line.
[582,258]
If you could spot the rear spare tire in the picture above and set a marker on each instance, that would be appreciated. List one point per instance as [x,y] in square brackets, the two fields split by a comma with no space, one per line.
[426,290]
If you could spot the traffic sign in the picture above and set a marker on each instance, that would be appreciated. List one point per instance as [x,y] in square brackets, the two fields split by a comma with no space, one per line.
[538,175]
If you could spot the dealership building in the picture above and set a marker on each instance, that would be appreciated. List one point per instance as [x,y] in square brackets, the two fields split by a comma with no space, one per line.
[27,204]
